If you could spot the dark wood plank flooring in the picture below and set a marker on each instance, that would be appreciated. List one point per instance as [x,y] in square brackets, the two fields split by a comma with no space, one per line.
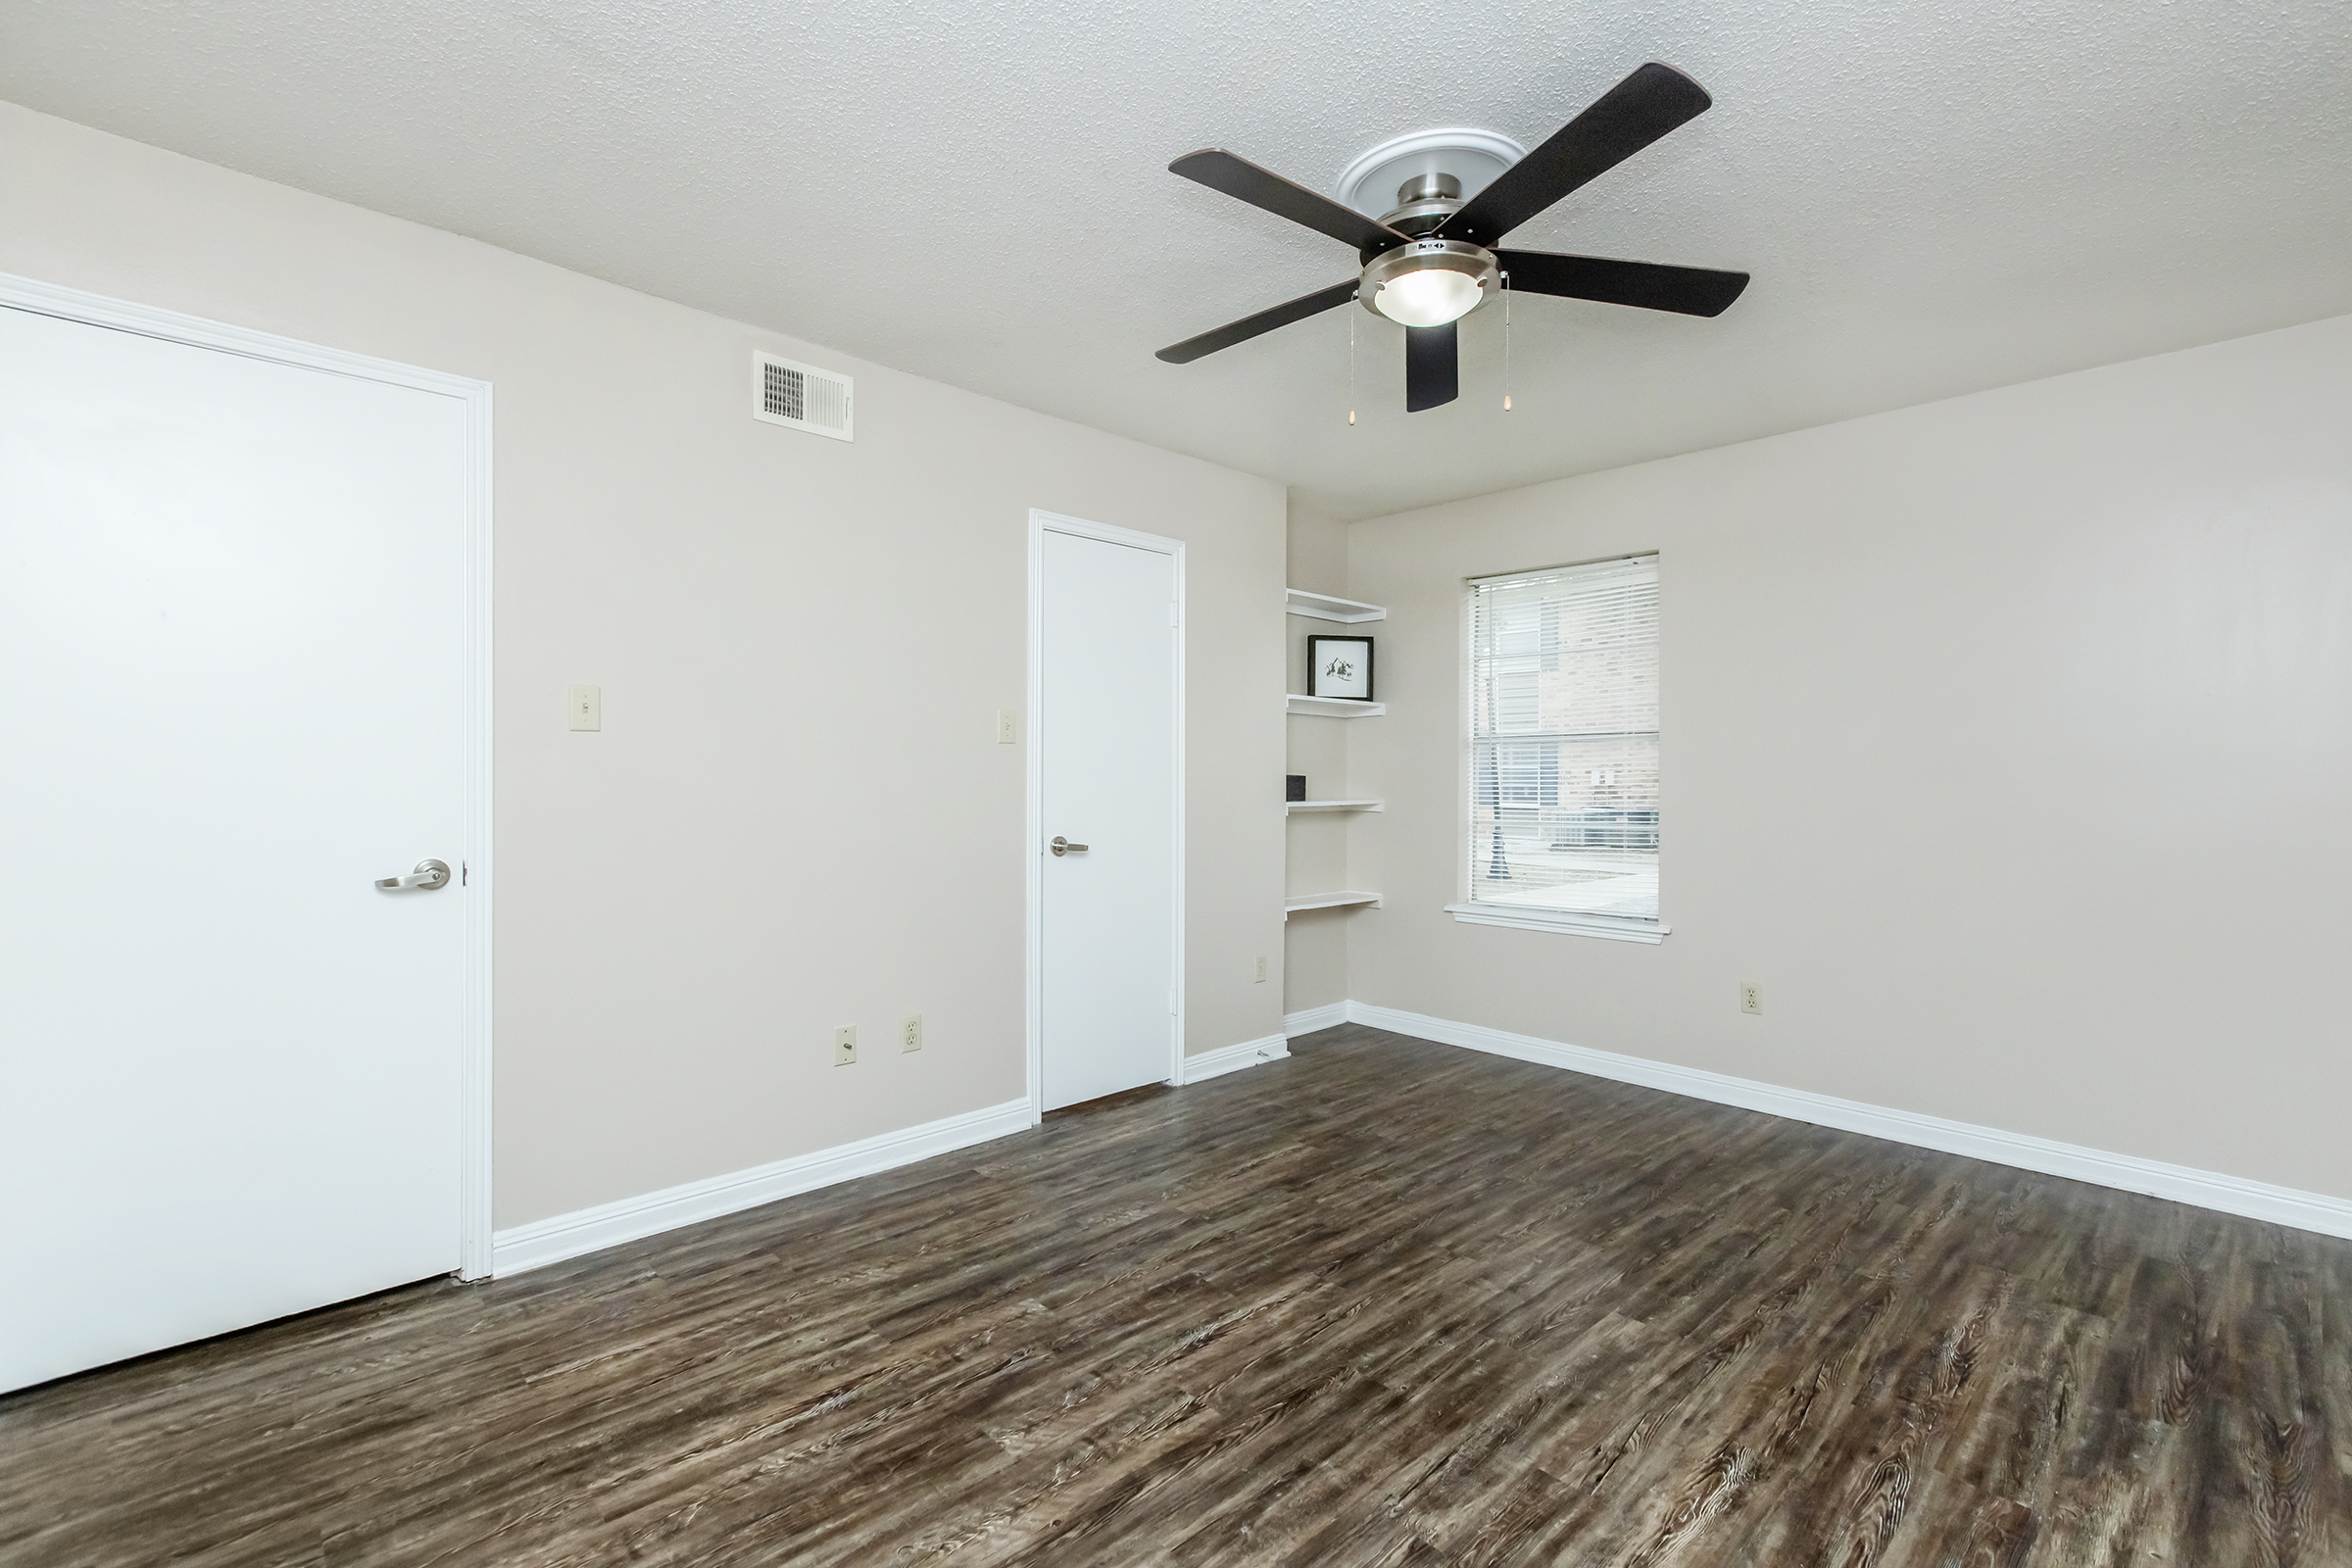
[1387,1303]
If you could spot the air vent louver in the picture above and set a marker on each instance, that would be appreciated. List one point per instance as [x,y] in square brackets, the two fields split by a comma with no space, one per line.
[802,396]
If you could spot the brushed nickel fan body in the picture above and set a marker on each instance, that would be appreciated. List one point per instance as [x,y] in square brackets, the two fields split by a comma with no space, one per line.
[1424,203]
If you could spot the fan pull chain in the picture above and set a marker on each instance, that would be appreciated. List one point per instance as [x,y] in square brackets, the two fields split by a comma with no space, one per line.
[1507,342]
[1352,368]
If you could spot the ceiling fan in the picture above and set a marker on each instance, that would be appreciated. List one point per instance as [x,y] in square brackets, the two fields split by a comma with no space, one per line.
[1434,258]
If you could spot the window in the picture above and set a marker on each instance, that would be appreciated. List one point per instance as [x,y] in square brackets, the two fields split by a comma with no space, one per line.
[1563,755]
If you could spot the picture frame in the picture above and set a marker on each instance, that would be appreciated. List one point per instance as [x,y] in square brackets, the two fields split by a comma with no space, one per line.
[1340,666]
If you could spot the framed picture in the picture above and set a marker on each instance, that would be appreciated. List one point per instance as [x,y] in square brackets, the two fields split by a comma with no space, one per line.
[1340,666]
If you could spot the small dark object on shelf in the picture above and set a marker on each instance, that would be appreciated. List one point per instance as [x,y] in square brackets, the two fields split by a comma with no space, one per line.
[1294,786]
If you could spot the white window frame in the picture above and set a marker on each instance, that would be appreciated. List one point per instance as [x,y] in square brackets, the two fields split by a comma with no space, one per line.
[1572,922]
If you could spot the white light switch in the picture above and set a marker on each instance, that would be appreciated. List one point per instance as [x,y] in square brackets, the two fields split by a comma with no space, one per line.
[1007,731]
[586,706]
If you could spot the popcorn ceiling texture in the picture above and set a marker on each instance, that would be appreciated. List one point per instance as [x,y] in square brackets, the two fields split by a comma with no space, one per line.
[1934,197]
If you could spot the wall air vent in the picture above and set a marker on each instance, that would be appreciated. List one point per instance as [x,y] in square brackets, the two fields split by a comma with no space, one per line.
[786,392]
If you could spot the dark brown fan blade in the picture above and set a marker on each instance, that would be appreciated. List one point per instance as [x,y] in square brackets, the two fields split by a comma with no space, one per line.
[1266,320]
[1688,290]
[1623,121]
[1433,367]
[1239,177]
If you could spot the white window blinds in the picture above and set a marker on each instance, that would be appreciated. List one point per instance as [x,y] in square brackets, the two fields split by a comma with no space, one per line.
[1564,740]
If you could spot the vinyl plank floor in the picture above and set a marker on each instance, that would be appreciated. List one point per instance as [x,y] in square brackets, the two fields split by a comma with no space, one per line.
[1385,1305]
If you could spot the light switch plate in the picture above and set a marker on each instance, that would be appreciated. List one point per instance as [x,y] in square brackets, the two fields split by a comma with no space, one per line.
[1008,729]
[586,706]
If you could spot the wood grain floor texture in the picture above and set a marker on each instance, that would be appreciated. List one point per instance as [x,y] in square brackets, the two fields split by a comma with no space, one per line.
[1386,1303]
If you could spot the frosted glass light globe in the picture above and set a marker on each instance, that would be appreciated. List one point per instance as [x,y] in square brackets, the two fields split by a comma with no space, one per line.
[1429,296]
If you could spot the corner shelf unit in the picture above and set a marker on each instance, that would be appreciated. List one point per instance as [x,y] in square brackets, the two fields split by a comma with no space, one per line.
[1348,611]
[1330,901]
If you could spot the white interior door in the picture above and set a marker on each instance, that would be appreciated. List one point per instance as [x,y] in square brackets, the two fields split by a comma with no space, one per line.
[233,680]
[1107,737]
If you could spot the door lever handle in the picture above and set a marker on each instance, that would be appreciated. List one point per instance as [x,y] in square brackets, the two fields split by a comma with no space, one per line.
[428,875]
[1062,845]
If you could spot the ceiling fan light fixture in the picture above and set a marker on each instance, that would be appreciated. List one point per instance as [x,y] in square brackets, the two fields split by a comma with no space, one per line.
[1428,282]
[1428,298]
[1432,229]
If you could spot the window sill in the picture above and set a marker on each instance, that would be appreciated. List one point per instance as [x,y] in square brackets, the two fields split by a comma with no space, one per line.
[1615,928]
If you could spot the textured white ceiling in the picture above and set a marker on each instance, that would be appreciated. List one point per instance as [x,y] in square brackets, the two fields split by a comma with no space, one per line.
[1933,196]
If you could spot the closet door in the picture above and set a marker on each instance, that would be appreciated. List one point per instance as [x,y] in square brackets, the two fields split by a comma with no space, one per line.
[233,626]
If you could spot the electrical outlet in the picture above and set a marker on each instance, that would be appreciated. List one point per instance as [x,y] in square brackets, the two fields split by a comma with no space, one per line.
[1008,729]
[911,1033]
[1751,996]
[1261,971]
[845,1045]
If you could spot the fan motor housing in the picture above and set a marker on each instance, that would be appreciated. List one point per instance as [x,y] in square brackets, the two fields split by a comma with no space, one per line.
[1423,203]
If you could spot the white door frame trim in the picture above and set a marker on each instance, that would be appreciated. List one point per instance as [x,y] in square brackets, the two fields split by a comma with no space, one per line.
[1041,523]
[473,1089]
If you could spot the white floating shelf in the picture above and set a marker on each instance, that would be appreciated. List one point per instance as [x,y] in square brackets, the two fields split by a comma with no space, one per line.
[1298,602]
[1329,900]
[1333,805]
[1333,706]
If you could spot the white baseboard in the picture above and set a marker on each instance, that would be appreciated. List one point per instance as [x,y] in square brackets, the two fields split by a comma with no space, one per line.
[1233,1059]
[2230,1195]
[586,1230]
[1310,1019]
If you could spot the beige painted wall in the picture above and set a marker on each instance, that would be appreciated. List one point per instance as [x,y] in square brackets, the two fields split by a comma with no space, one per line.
[1314,942]
[2008,745]
[797,815]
